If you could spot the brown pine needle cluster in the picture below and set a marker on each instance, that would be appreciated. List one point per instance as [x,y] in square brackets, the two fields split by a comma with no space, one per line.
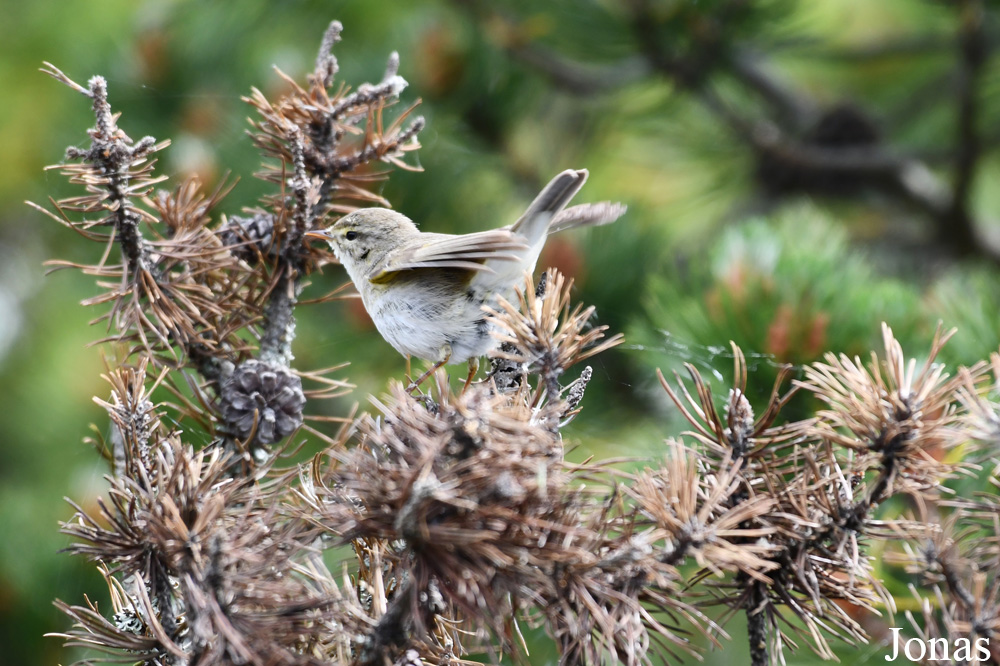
[692,516]
[883,430]
[957,557]
[468,500]
[203,568]
[443,524]
[898,420]
[545,334]
[215,297]
[319,126]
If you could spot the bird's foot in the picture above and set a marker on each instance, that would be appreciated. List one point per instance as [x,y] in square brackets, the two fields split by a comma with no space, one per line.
[473,369]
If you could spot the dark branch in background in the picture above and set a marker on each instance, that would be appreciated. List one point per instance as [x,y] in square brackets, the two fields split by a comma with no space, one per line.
[954,582]
[792,163]
[801,146]
[973,50]
[579,78]
[887,47]
[574,77]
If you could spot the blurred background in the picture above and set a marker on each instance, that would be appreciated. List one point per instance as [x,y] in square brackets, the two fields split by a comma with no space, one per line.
[796,171]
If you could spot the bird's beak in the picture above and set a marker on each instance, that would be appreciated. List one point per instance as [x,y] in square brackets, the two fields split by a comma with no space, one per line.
[322,234]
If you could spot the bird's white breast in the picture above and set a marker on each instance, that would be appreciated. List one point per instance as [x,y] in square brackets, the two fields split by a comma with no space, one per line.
[425,320]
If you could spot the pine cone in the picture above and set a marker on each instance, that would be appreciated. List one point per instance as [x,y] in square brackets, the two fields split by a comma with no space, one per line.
[268,395]
[249,237]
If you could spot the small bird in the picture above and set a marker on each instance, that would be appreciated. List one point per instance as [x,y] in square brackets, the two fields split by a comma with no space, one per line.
[426,292]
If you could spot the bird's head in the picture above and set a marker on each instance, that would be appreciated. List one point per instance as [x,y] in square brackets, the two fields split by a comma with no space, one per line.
[363,238]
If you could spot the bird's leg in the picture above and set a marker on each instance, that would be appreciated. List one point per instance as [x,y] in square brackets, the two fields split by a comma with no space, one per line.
[473,369]
[420,380]
[408,370]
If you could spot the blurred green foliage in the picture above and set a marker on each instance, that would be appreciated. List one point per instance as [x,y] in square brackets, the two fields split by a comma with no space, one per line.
[700,259]
[789,289]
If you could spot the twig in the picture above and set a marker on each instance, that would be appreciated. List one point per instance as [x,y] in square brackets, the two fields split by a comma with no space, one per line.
[392,630]
[757,625]
[954,582]
[114,153]
[279,313]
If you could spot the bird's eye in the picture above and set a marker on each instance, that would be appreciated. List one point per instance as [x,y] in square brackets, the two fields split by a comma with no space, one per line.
[351,235]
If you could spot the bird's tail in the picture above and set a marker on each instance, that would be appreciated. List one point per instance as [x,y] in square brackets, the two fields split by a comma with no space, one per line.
[587,215]
[535,222]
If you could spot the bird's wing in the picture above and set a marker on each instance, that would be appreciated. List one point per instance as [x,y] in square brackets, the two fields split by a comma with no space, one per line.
[467,251]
